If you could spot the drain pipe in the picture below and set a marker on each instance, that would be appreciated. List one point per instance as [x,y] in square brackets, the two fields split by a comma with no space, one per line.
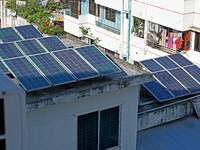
[129,30]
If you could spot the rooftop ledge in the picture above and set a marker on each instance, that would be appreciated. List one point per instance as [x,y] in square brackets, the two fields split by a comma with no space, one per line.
[130,76]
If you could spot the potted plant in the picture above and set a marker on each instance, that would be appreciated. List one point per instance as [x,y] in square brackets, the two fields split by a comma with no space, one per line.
[137,26]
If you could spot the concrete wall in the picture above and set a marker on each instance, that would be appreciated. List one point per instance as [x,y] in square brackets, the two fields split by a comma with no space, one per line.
[114,5]
[164,114]
[55,127]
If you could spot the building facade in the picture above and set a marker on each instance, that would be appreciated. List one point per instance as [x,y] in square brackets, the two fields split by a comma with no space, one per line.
[150,19]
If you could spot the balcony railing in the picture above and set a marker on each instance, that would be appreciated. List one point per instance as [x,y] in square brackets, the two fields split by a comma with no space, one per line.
[69,13]
[161,48]
[109,28]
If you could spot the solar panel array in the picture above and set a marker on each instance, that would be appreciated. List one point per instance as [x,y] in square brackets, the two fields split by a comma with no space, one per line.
[26,74]
[39,62]
[54,72]
[30,47]
[179,77]
[52,43]
[9,35]
[9,50]
[3,68]
[77,66]
[28,31]
[98,60]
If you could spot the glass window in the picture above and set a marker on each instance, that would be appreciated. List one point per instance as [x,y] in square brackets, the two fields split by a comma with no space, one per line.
[93,8]
[106,122]
[110,14]
[197,42]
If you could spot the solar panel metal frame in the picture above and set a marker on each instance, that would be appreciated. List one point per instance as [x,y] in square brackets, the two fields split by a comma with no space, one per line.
[21,38]
[39,70]
[183,83]
[153,61]
[20,81]
[104,56]
[175,60]
[27,49]
[16,47]
[175,80]
[38,39]
[163,88]
[52,53]
[24,26]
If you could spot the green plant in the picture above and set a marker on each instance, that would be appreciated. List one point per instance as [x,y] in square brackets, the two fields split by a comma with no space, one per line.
[96,41]
[84,30]
[51,5]
[137,26]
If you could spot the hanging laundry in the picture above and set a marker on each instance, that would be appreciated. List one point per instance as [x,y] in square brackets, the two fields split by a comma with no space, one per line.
[178,43]
[171,34]
[174,35]
[170,42]
[168,33]
[164,37]
[188,44]
[160,41]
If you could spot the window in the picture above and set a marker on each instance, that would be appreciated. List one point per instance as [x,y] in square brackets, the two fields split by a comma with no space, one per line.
[98,130]
[110,14]
[93,8]
[2,124]
[197,42]
[138,27]
[2,144]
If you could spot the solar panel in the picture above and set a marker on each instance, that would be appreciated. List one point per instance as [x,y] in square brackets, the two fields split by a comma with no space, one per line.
[54,72]
[9,50]
[151,65]
[98,60]
[171,84]
[28,31]
[30,47]
[166,62]
[52,43]
[194,71]
[3,68]
[79,68]
[180,59]
[9,35]
[159,92]
[186,80]
[26,74]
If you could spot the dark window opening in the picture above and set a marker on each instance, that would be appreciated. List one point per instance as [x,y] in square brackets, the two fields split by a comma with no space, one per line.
[2,123]
[110,14]
[2,144]
[197,42]
[94,8]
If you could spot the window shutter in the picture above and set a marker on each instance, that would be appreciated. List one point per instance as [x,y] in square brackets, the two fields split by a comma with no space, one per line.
[109,127]
[88,131]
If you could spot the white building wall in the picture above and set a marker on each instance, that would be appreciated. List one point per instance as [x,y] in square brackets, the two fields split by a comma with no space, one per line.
[197,14]
[55,127]
[111,4]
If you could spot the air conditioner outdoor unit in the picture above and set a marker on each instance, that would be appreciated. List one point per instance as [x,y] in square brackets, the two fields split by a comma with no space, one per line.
[12,115]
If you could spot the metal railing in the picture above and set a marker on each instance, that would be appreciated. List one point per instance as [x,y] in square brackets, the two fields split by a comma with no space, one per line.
[161,48]
[69,13]
[106,27]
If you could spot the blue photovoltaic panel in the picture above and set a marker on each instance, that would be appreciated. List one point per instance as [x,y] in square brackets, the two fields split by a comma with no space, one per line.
[52,43]
[9,35]
[30,47]
[98,60]
[156,89]
[172,84]
[186,80]
[52,69]
[166,62]
[151,65]
[28,31]
[9,50]
[180,59]
[194,71]
[26,74]
[3,68]
[79,68]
